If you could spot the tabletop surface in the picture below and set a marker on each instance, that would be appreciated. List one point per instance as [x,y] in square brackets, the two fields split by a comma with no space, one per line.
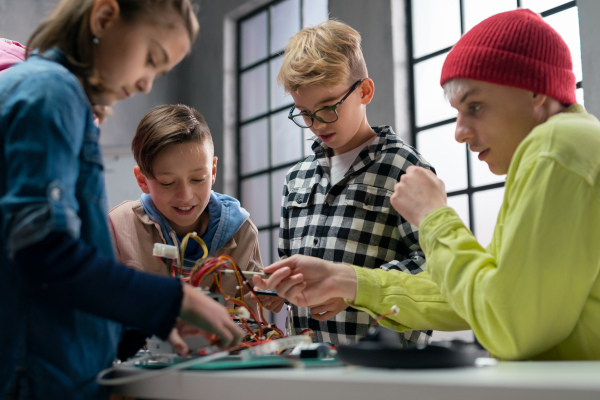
[518,380]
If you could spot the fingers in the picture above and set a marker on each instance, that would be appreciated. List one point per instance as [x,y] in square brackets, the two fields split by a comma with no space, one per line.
[207,314]
[276,278]
[321,308]
[289,262]
[179,346]
[230,335]
[260,283]
[324,316]
[278,305]
[274,304]
[277,265]
[290,287]
[238,335]
[187,330]
[295,293]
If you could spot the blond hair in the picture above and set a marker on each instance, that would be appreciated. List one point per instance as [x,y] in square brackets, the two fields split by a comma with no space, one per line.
[328,54]
[68,28]
[164,126]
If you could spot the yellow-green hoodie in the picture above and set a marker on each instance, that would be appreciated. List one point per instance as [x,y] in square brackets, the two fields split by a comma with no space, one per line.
[534,293]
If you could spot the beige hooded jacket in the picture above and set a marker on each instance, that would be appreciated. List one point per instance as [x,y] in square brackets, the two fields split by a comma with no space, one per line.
[134,235]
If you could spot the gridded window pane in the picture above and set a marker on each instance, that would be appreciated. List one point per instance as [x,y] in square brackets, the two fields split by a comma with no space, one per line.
[278,96]
[254,39]
[431,105]
[308,141]
[285,22]
[566,23]
[253,94]
[277,182]
[286,139]
[436,25]
[264,243]
[486,205]
[460,204]
[314,12]
[255,195]
[539,6]
[447,156]
[480,172]
[579,95]
[254,152]
[476,11]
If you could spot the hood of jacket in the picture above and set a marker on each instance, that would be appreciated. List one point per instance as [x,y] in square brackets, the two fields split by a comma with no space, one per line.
[226,216]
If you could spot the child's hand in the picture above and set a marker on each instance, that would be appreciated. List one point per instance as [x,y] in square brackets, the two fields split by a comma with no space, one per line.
[307,281]
[329,309]
[179,346]
[184,330]
[271,303]
[418,193]
[210,316]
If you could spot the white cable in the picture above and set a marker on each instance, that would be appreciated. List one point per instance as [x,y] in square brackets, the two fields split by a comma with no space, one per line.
[152,374]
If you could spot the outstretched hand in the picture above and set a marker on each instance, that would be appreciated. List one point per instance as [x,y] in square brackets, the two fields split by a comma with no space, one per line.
[202,311]
[418,193]
[308,281]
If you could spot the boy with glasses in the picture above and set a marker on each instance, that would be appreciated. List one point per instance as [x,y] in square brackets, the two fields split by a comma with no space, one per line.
[336,203]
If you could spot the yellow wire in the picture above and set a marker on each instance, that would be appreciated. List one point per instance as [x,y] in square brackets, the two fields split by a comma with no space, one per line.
[184,243]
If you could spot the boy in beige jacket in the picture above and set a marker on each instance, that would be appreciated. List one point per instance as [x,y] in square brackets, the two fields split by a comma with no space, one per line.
[176,169]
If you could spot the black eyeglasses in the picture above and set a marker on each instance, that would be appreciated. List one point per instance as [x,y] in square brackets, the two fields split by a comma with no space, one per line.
[326,115]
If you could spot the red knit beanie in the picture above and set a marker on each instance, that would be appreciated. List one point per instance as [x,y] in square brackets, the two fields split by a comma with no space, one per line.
[515,48]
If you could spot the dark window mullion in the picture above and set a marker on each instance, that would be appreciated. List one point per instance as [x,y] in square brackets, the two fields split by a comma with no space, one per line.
[265,114]
[410,72]
[470,194]
[269,141]
[259,62]
[558,9]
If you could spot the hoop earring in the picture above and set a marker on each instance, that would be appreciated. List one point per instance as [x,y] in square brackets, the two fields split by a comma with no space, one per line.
[96,40]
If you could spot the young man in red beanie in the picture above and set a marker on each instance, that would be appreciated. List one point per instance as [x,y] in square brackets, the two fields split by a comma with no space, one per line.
[534,293]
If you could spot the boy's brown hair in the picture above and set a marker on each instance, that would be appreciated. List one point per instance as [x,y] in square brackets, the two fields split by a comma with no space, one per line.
[164,126]
[328,54]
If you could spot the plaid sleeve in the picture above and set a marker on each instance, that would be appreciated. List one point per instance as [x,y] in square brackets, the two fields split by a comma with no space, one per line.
[409,240]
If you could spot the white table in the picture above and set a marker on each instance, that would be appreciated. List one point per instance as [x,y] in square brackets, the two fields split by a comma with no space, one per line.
[504,381]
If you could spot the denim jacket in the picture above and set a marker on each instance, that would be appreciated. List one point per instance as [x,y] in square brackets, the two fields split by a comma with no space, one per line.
[52,183]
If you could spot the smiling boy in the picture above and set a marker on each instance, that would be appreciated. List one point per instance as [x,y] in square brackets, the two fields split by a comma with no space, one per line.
[175,170]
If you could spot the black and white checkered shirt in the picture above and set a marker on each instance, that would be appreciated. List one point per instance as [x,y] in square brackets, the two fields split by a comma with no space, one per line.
[351,222]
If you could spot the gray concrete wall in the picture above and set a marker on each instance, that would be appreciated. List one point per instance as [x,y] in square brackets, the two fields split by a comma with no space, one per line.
[18,18]
[589,13]
[372,19]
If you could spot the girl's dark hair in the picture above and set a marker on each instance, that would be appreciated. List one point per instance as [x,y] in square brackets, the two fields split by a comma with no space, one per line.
[164,126]
[67,27]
